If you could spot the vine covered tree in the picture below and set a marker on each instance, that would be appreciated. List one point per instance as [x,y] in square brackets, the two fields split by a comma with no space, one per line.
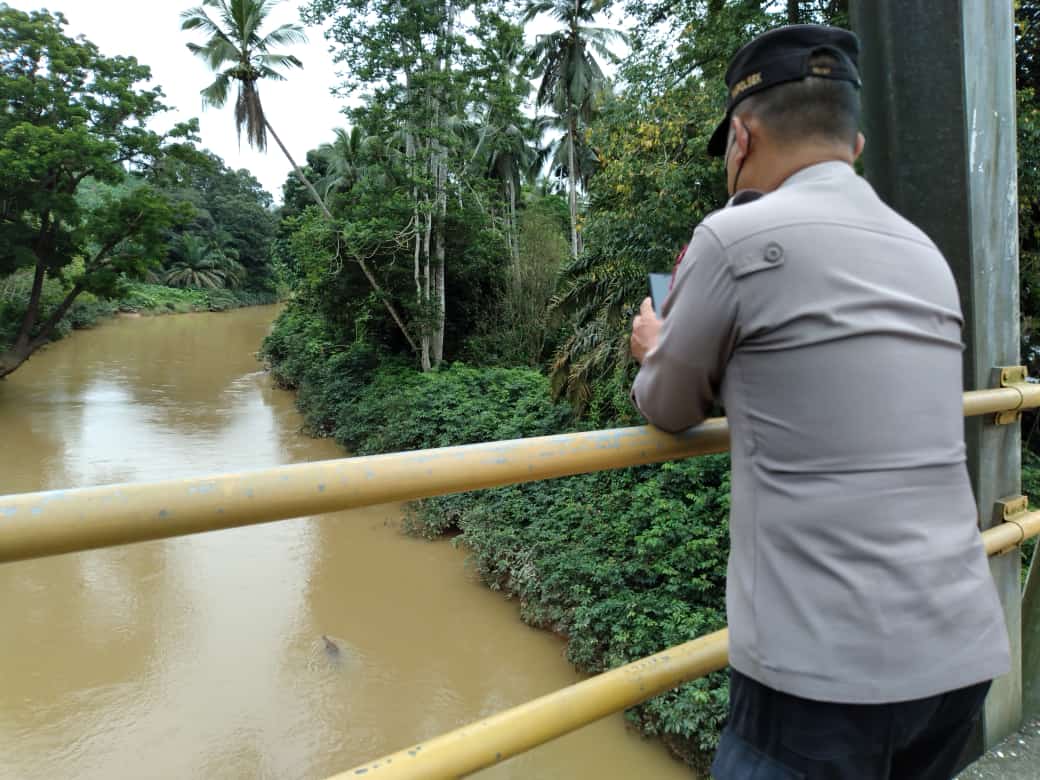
[407,55]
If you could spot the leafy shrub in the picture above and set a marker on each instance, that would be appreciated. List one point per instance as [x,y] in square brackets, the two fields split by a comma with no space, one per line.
[14,295]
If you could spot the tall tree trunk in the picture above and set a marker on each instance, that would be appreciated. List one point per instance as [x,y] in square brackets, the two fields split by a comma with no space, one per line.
[513,234]
[572,178]
[425,292]
[410,154]
[391,309]
[440,157]
[33,309]
[299,173]
[24,347]
[794,15]
[440,309]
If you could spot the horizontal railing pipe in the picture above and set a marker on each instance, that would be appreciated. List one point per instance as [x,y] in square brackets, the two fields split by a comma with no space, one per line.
[34,525]
[517,730]
[1002,399]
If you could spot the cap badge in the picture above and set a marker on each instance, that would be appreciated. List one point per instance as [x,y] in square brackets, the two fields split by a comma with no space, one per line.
[746,84]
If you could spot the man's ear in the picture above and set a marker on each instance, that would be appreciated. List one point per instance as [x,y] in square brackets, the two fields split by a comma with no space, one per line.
[860,143]
[741,138]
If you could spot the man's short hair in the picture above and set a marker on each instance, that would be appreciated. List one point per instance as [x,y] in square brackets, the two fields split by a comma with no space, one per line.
[816,108]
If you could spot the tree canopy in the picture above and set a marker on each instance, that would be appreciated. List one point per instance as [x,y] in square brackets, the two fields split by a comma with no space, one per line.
[75,115]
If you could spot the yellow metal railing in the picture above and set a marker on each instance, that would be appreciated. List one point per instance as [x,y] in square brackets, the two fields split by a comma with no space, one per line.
[34,525]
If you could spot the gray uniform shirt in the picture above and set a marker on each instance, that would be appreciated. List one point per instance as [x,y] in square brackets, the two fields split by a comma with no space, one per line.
[830,328]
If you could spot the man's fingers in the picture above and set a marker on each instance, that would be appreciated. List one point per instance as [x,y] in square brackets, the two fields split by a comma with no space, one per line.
[647,306]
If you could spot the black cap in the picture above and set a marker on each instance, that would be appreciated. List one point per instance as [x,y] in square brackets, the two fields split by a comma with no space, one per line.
[783,55]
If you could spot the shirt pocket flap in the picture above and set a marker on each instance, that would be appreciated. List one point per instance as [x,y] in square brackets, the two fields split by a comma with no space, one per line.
[759,258]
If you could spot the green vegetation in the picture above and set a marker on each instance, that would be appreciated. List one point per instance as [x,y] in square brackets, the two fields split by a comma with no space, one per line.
[572,84]
[73,114]
[95,203]
[1031,488]
[462,268]
[513,300]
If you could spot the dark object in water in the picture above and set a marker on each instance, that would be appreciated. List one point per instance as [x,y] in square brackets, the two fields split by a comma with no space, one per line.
[331,648]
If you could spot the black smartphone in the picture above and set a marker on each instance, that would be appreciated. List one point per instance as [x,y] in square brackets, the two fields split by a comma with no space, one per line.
[659,284]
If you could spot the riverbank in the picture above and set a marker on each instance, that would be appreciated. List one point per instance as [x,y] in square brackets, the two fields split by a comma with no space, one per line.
[622,563]
[142,298]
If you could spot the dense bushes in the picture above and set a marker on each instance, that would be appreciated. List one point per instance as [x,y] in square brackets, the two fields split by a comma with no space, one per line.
[348,392]
[14,295]
[1031,488]
[623,563]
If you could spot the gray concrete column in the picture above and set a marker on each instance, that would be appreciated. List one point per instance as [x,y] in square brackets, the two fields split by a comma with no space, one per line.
[939,117]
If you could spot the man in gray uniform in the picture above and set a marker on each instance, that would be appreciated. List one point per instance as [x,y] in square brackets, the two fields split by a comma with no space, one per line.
[864,624]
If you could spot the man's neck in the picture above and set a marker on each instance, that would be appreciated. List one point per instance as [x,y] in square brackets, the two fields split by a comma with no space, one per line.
[781,164]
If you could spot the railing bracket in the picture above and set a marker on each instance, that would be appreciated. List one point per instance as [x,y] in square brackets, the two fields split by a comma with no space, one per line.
[1010,509]
[1013,377]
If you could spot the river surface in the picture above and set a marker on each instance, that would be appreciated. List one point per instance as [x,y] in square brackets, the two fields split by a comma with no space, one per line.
[202,657]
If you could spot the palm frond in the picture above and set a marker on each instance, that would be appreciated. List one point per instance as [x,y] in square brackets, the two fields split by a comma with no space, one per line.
[215,52]
[286,35]
[197,19]
[535,7]
[216,94]
[234,36]
[274,61]
[602,35]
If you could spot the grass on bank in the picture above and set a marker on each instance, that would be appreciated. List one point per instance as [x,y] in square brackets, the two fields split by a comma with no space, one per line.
[87,310]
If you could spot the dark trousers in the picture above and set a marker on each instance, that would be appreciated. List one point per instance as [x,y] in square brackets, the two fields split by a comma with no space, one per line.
[775,736]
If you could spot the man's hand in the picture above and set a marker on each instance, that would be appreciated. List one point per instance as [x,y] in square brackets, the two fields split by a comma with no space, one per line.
[646,328]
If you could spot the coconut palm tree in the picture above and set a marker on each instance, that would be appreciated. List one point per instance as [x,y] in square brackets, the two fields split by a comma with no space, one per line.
[571,77]
[237,51]
[586,162]
[354,156]
[511,153]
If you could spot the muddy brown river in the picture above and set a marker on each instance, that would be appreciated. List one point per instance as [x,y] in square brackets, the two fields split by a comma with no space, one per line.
[202,657]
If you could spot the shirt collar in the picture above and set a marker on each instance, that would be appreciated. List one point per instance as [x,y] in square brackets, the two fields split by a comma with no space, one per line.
[819,171]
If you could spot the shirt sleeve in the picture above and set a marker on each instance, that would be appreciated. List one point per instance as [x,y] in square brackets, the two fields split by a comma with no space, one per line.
[680,378]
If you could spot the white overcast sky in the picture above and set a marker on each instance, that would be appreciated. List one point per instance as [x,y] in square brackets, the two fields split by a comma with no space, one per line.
[301,109]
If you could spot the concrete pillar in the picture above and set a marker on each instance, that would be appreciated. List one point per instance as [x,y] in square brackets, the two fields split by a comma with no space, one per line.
[939,117]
